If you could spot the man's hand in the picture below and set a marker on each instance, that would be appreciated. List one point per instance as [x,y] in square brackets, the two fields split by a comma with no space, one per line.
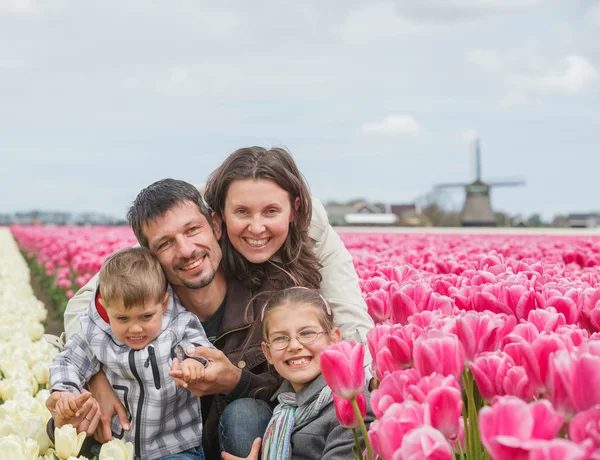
[109,404]
[85,410]
[253,453]
[192,370]
[220,377]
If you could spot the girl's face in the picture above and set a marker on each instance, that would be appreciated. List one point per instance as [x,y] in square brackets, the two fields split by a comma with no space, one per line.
[257,215]
[298,362]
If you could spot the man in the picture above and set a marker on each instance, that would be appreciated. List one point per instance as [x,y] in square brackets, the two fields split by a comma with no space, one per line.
[170,218]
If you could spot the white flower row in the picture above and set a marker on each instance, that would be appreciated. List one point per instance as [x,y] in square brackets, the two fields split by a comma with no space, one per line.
[25,359]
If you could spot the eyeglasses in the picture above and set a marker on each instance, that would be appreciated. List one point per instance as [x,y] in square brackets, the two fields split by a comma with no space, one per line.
[281,342]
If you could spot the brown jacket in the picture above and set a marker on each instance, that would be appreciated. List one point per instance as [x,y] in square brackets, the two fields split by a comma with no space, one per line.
[240,339]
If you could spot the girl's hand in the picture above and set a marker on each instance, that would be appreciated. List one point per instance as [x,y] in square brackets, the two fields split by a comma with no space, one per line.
[253,452]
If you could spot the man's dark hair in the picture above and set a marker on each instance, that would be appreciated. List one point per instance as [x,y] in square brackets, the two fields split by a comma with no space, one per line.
[160,197]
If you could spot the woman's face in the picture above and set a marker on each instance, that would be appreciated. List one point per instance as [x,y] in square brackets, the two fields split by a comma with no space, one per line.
[257,215]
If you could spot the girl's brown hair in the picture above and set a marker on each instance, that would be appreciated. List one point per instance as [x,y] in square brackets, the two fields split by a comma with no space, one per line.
[298,296]
[298,260]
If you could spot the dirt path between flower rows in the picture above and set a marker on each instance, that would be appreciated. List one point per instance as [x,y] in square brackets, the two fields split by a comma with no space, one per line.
[54,321]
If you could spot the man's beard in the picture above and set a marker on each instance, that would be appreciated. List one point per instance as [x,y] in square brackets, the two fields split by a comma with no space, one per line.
[202,282]
[206,279]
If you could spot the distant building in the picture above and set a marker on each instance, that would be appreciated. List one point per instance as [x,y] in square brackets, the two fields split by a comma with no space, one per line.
[590,220]
[362,213]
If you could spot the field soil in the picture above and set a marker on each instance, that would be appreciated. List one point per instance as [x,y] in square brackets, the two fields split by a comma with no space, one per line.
[54,321]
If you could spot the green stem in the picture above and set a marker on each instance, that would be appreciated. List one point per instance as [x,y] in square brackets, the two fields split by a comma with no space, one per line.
[473,416]
[357,443]
[363,429]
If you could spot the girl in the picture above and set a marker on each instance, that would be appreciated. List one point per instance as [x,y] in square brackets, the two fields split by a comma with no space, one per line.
[297,326]
[272,227]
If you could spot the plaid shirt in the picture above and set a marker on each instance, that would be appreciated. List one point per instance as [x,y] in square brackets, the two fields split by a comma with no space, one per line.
[164,419]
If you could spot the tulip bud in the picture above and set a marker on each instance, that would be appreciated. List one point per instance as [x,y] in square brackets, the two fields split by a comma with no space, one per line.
[345,412]
[67,441]
[116,450]
[342,368]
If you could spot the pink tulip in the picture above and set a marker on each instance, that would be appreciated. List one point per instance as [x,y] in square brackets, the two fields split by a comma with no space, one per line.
[530,300]
[489,371]
[575,380]
[408,300]
[510,425]
[438,352]
[558,449]
[586,425]
[516,383]
[387,433]
[377,338]
[392,389]
[443,410]
[546,320]
[342,368]
[378,305]
[420,390]
[345,412]
[423,443]
[479,332]
[564,306]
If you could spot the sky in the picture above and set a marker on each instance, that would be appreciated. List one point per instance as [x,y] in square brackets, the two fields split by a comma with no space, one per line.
[375,99]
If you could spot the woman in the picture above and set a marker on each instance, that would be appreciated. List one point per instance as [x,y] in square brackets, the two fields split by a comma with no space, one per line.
[270,224]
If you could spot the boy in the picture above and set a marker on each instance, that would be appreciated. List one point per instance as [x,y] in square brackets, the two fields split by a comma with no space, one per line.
[134,338]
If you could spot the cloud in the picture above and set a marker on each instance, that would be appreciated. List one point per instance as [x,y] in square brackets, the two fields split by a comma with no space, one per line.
[528,78]
[375,22]
[486,60]
[469,136]
[575,76]
[393,125]
[592,15]
[178,76]
[18,6]
[442,10]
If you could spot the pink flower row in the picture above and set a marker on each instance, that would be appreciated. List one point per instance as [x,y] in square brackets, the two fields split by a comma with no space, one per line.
[71,255]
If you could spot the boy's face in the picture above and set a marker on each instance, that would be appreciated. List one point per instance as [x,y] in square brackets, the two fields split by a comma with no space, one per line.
[137,326]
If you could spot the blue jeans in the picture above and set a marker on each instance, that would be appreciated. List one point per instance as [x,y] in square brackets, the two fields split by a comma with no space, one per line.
[241,423]
[192,454]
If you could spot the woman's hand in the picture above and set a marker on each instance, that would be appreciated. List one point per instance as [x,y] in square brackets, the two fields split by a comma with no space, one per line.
[84,409]
[109,404]
[253,452]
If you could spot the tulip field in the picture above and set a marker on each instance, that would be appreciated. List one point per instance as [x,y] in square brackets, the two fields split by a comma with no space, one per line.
[485,346]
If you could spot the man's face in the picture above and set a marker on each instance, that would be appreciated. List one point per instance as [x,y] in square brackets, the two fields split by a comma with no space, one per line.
[185,245]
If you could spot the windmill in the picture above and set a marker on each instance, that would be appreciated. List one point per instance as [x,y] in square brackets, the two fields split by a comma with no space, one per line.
[477,210]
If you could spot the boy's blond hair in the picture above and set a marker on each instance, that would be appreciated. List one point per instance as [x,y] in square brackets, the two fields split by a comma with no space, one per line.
[133,275]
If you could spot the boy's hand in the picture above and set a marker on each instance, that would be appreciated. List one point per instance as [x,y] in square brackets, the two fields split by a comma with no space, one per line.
[86,416]
[189,371]
[252,456]
[220,377]
[67,404]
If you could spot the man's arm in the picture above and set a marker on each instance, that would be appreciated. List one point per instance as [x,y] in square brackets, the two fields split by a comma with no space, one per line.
[77,305]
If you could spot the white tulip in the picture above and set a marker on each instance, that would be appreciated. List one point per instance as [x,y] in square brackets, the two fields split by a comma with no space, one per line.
[41,371]
[13,446]
[116,450]
[35,429]
[67,442]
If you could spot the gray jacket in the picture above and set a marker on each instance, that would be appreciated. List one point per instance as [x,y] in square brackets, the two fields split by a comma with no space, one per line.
[165,419]
[323,437]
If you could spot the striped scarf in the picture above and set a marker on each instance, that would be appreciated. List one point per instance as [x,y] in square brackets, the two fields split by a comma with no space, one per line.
[277,440]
